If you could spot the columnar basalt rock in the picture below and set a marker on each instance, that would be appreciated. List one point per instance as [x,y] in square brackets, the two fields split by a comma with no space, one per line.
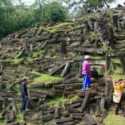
[59,50]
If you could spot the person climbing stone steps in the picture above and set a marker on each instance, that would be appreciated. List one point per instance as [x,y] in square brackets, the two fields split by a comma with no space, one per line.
[86,73]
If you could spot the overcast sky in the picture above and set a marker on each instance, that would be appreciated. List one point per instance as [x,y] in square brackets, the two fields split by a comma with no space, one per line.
[29,2]
[114,4]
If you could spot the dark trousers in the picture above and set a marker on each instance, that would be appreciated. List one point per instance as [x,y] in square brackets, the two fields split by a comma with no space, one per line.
[119,106]
[25,103]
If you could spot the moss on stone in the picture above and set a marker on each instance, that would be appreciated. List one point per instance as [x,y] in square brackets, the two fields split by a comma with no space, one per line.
[113,119]
[37,54]
[61,101]
[45,79]
[118,76]
[89,16]
[93,36]
[17,61]
[1,121]
[61,27]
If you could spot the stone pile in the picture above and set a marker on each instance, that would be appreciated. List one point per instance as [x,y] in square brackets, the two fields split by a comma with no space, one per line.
[59,50]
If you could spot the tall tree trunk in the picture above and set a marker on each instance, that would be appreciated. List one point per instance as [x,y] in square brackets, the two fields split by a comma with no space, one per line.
[105,2]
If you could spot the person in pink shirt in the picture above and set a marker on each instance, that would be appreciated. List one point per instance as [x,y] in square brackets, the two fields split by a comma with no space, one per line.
[86,73]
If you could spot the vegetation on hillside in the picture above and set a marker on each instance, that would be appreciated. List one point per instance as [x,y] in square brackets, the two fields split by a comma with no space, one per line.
[14,18]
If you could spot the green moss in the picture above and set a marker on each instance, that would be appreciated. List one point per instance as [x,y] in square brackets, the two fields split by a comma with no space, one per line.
[36,54]
[20,118]
[45,79]
[60,27]
[60,101]
[1,121]
[93,36]
[89,16]
[17,61]
[14,61]
[113,119]
[28,59]
[118,76]
[116,61]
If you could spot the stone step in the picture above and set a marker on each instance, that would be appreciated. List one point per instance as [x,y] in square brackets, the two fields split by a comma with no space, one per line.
[120,46]
[89,50]
[120,41]
[120,36]
[119,50]
[89,120]
[116,52]
[64,120]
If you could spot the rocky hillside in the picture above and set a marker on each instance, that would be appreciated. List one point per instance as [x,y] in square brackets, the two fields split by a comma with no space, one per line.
[50,58]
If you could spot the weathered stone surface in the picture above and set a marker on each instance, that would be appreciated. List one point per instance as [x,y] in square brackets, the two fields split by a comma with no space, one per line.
[61,53]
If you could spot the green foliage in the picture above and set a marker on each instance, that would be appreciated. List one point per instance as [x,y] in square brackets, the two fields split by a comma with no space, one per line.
[113,119]
[93,36]
[17,61]
[1,122]
[94,3]
[5,9]
[51,12]
[13,18]
[60,101]
[60,27]
[98,3]
[81,7]
[45,79]
[56,12]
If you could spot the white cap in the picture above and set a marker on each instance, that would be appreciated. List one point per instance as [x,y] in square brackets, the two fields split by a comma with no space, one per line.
[87,57]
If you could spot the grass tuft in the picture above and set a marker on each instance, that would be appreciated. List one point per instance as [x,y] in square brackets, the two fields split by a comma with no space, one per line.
[113,119]
[45,79]
[60,101]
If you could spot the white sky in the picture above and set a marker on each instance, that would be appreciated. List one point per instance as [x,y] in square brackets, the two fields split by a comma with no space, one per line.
[114,4]
[29,2]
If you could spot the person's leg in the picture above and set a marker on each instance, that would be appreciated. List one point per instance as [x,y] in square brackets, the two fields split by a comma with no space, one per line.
[84,85]
[26,103]
[118,107]
[122,104]
[88,81]
[83,82]
[23,104]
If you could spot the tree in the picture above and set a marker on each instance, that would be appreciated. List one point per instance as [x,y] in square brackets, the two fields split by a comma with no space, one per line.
[51,12]
[55,12]
[98,3]
[5,9]
[16,17]
[86,4]
[5,3]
